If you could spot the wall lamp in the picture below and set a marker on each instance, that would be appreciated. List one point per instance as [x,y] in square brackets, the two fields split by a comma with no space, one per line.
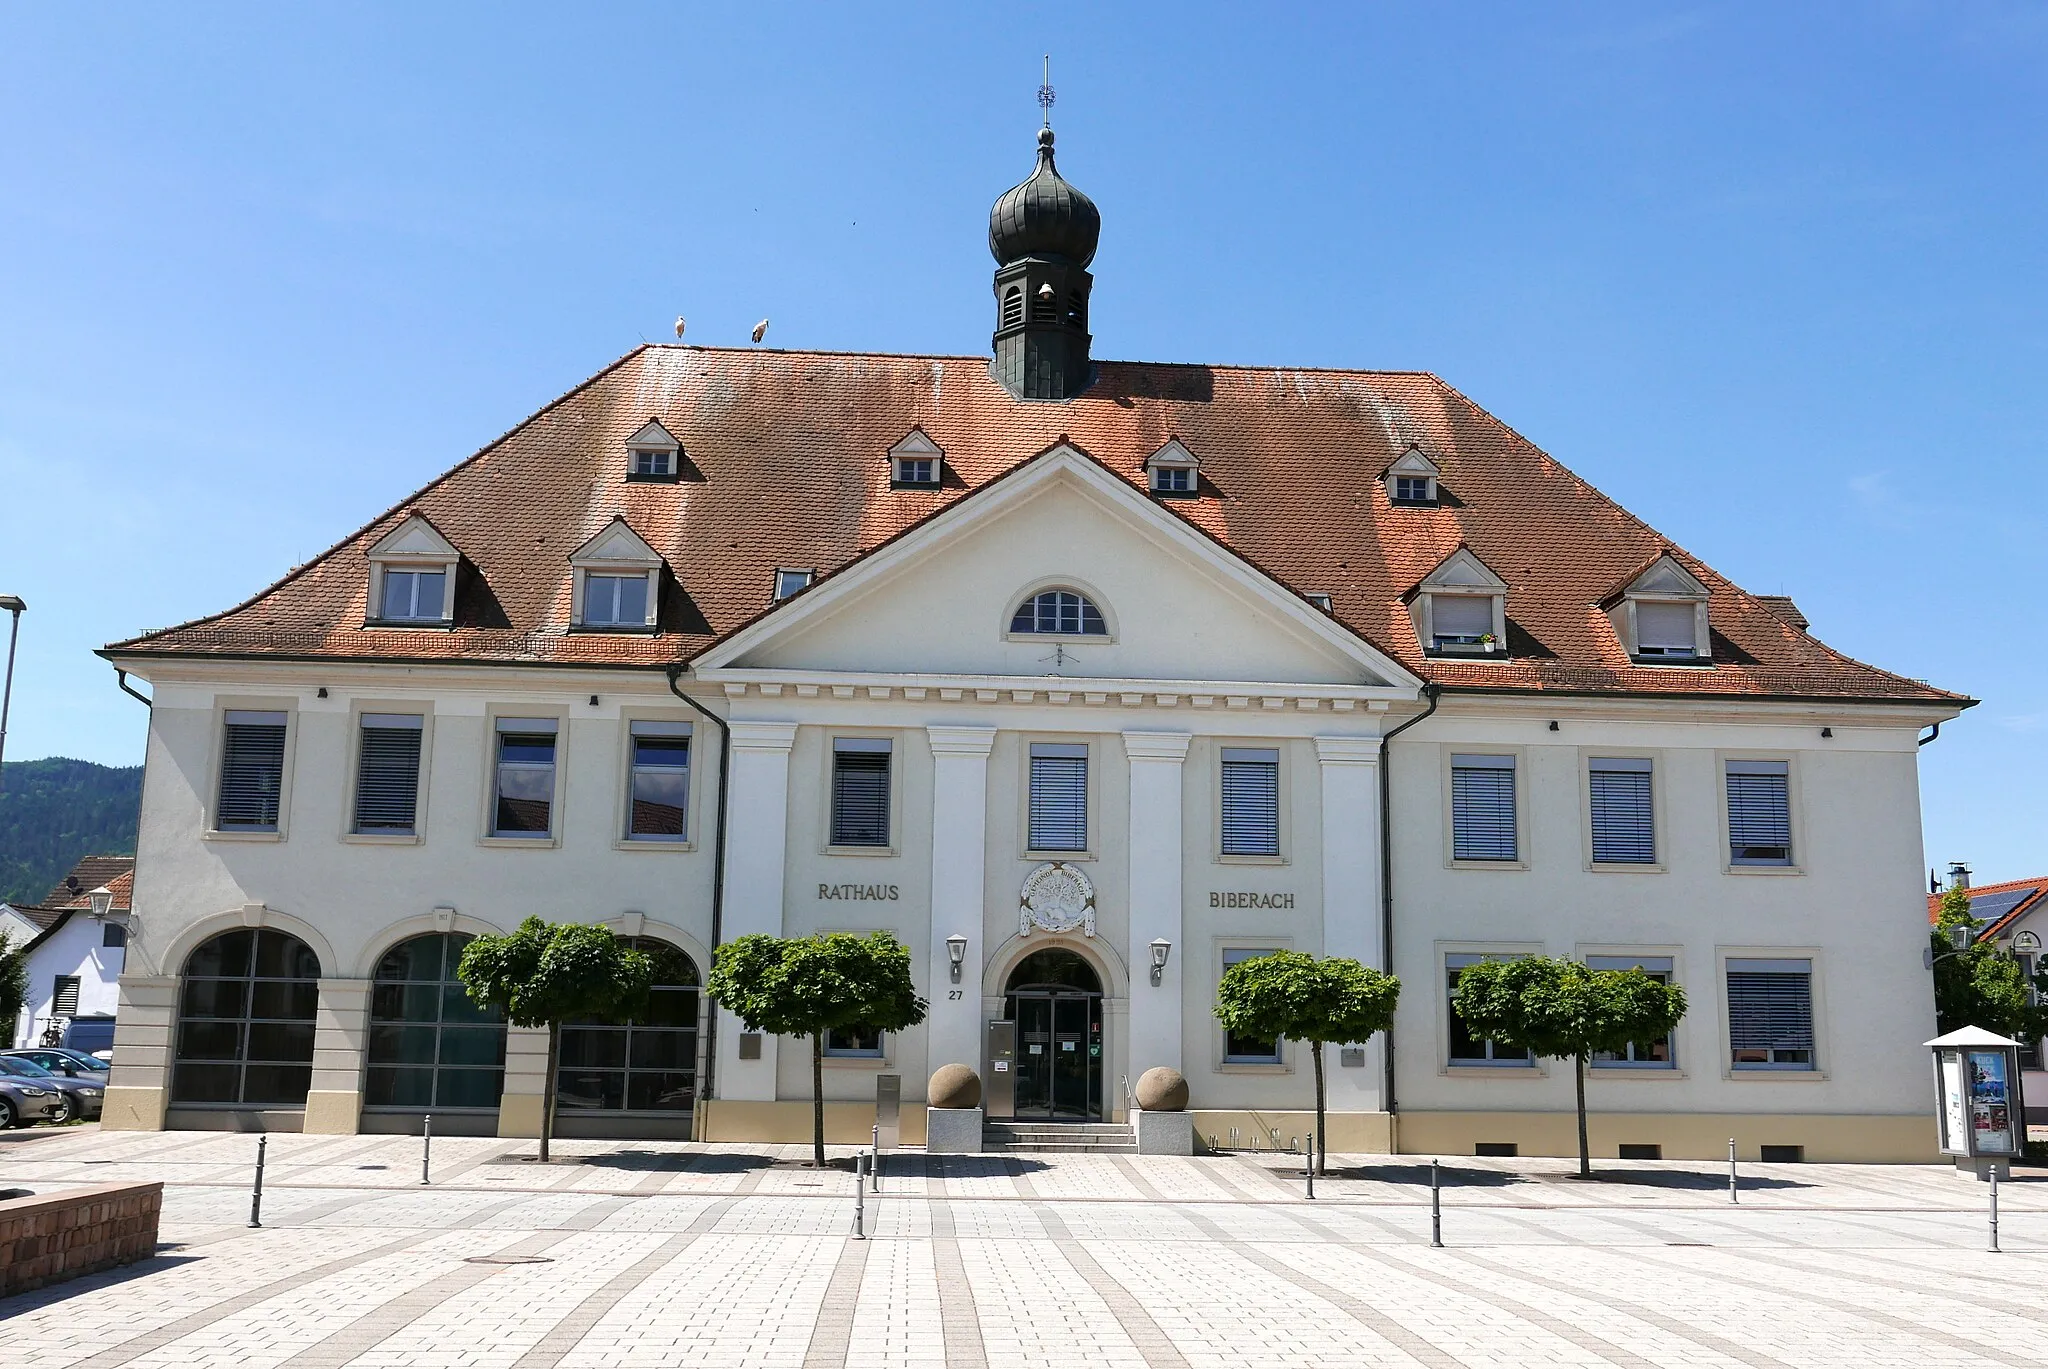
[956,953]
[1161,949]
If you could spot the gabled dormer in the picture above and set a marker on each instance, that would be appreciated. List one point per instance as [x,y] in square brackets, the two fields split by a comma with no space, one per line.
[1173,472]
[618,582]
[1661,615]
[412,577]
[1411,480]
[916,463]
[1461,608]
[653,453]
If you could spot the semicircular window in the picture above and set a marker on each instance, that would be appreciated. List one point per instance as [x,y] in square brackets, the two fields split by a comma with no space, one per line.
[644,1066]
[245,1020]
[1060,612]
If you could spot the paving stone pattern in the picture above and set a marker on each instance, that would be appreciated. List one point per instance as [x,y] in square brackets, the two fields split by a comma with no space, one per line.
[656,1253]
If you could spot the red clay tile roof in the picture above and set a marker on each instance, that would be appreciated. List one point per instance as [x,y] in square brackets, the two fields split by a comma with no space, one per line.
[117,873]
[2031,894]
[785,465]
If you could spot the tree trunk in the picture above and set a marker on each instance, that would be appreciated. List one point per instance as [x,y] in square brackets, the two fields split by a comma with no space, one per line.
[1317,1156]
[547,1089]
[1585,1152]
[818,1099]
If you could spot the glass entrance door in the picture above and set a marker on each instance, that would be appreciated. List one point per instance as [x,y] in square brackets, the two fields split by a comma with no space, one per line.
[1059,1054]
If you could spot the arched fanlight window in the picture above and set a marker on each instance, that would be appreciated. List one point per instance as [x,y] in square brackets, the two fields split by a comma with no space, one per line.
[1060,612]
[1013,306]
[245,1020]
[644,1066]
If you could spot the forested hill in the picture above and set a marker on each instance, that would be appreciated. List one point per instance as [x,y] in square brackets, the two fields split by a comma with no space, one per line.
[54,811]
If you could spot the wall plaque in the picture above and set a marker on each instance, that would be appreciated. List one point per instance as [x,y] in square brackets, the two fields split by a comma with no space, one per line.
[1057,897]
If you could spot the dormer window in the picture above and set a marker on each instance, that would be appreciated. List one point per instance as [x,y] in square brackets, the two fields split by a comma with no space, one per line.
[1661,615]
[412,577]
[1460,608]
[792,582]
[653,453]
[1173,470]
[916,463]
[618,581]
[1321,601]
[1411,480]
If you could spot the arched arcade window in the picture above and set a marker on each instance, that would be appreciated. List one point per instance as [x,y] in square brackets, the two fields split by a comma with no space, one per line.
[245,1020]
[1060,612]
[430,1046]
[645,1066]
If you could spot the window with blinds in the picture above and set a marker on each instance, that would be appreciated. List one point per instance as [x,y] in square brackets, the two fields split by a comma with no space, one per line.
[1058,816]
[1460,619]
[251,771]
[388,773]
[526,778]
[1759,813]
[658,806]
[64,996]
[860,791]
[1251,801]
[1770,1014]
[1653,1054]
[1483,808]
[1666,630]
[1624,827]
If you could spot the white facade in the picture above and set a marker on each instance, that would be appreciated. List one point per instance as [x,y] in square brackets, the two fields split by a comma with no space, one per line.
[77,947]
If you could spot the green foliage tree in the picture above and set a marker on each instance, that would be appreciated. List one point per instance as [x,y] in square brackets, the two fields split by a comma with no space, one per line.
[54,811]
[1295,996]
[1561,1009]
[1980,986]
[811,985]
[13,981]
[547,973]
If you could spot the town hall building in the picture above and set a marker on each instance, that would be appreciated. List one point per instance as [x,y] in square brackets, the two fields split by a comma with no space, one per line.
[1086,679]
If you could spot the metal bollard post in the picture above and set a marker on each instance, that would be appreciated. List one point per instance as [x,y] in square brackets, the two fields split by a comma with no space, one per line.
[1310,1172]
[1436,1209]
[256,1195]
[875,1161]
[427,1149]
[860,1201]
[1994,1209]
[1734,1195]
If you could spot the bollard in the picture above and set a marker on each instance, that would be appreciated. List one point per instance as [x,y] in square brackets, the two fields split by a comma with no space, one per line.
[1436,1209]
[427,1149]
[875,1161]
[1734,1196]
[1310,1172]
[1994,1209]
[860,1200]
[256,1195]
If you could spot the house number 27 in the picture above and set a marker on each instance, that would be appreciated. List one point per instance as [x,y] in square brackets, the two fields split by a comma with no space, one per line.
[954,994]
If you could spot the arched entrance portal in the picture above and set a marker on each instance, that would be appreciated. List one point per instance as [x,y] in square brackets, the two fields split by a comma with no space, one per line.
[1055,998]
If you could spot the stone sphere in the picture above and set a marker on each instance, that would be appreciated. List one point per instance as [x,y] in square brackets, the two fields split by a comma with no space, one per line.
[1163,1090]
[954,1086]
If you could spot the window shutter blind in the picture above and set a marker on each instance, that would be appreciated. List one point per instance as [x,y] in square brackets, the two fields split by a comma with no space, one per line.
[1759,813]
[860,791]
[1251,802]
[1665,629]
[1771,1009]
[1461,615]
[388,773]
[64,1002]
[1059,797]
[1483,808]
[251,771]
[1624,830]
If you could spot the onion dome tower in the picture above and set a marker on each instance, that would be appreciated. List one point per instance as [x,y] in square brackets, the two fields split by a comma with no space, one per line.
[1042,235]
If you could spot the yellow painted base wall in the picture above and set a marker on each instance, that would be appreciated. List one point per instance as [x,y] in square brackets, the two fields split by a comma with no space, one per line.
[1827,1138]
[332,1112]
[846,1124]
[519,1114]
[1357,1133]
[132,1109]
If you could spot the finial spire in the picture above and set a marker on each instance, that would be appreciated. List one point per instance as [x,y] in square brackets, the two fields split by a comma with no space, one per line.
[1045,92]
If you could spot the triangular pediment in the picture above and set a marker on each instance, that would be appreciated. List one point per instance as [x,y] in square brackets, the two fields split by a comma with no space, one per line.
[916,443]
[616,544]
[415,537]
[1463,570]
[652,436]
[1174,453]
[1413,462]
[942,598]
[1667,579]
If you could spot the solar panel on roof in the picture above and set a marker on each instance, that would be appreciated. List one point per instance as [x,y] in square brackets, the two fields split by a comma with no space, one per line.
[1991,907]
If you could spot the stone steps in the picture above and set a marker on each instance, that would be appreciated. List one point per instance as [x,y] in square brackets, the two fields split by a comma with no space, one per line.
[1059,1137]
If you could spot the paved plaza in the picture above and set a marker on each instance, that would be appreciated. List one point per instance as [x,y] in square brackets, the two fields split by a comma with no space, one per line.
[655,1254]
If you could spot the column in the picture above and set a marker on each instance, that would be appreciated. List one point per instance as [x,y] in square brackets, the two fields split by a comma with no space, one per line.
[138,1089]
[341,1042]
[757,818]
[1351,892]
[953,1032]
[1155,898]
[523,1098]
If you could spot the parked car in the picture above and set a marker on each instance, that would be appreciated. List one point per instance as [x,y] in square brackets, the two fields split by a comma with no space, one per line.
[61,1060]
[23,1102]
[78,1097]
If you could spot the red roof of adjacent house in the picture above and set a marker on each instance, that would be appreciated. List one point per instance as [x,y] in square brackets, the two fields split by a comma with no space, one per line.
[2002,904]
[785,465]
[74,891]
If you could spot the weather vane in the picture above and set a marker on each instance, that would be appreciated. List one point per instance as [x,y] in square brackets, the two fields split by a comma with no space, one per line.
[1045,93]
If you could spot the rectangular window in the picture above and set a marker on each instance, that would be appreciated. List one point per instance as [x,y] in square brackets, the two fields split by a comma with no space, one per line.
[388,773]
[414,595]
[1251,801]
[1460,619]
[1411,489]
[1247,1050]
[860,791]
[1759,813]
[788,582]
[1483,808]
[1624,825]
[917,470]
[615,600]
[113,936]
[1467,1049]
[64,996]
[1173,479]
[526,778]
[1665,630]
[1770,1014]
[660,798]
[652,461]
[854,1042]
[1059,797]
[251,771]
[1654,1054]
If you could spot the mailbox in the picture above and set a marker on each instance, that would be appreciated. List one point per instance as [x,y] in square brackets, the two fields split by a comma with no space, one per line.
[1980,1113]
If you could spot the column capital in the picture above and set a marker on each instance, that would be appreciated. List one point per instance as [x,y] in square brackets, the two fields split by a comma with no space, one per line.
[762,736]
[961,741]
[1157,746]
[1348,750]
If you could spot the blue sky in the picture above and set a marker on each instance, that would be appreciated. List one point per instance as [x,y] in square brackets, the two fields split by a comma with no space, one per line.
[1772,276]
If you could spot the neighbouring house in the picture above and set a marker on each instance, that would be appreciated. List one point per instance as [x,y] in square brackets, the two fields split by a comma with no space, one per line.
[77,940]
[2013,916]
[1086,679]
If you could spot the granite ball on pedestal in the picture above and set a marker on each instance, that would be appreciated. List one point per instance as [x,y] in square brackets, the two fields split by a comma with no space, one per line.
[954,1086]
[1161,1089]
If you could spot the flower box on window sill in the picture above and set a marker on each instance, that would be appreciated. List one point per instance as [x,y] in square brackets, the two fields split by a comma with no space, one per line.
[1466,649]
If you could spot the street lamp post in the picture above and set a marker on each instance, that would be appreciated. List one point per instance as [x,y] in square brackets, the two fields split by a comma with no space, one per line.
[14,605]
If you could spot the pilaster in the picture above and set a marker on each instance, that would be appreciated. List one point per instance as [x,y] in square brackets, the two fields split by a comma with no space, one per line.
[1351,891]
[341,1040]
[1155,897]
[757,807]
[953,1032]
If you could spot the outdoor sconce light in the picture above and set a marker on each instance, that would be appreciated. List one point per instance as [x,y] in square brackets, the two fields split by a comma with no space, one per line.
[1161,949]
[102,901]
[956,952]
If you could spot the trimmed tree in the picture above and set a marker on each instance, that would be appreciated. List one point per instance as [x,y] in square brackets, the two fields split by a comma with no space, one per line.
[547,973]
[1293,995]
[1563,1010]
[1981,985]
[812,985]
[13,980]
